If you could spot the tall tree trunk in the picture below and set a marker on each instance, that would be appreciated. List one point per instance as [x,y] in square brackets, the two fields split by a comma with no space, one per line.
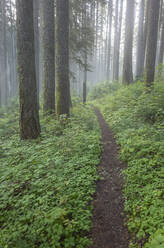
[48,56]
[161,47]
[128,49]
[5,81]
[116,76]
[140,43]
[85,50]
[12,62]
[29,116]
[143,54]
[62,58]
[152,42]
[110,12]
[36,37]
[85,81]
[115,40]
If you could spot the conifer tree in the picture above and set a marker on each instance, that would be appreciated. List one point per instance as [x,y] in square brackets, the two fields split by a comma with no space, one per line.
[152,42]
[62,58]
[48,22]
[29,116]
[128,49]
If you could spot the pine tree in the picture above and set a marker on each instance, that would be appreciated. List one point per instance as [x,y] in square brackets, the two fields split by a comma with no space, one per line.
[62,58]
[128,49]
[48,56]
[152,42]
[29,116]
[140,43]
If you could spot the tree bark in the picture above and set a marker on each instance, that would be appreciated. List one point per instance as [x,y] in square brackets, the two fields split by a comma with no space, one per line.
[110,11]
[143,54]
[29,116]
[140,43]
[161,47]
[115,41]
[5,81]
[116,76]
[128,49]
[152,42]
[36,38]
[62,58]
[48,56]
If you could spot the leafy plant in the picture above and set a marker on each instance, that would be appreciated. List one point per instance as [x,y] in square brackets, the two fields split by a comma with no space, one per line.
[137,119]
[47,185]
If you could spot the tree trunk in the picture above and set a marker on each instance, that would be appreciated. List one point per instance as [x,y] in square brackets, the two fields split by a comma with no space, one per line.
[161,47]
[116,76]
[140,44]
[62,58]
[115,41]
[128,49]
[152,42]
[36,38]
[29,116]
[85,51]
[143,54]
[48,56]
[5,81]
[110,11]
[85,85]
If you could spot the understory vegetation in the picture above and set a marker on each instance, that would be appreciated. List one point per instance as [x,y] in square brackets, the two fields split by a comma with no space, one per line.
[137,119]
[46,185]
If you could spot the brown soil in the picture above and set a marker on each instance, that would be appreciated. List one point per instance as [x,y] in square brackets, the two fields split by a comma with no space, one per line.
[108,218]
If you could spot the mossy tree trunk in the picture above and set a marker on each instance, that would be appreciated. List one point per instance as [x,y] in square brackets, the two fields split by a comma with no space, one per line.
[140,43]
[153,18]
[128,46]
[62,58]
[48,23]
[29,116]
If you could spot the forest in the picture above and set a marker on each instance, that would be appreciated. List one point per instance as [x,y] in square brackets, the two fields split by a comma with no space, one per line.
[81,123]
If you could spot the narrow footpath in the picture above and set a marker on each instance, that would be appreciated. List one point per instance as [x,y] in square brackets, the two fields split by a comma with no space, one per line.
[108,217]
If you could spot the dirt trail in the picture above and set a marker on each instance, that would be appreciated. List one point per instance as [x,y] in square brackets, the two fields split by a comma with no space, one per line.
[108,217]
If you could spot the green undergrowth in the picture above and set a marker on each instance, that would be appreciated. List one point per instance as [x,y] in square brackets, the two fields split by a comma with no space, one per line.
[47,185]
[137,119]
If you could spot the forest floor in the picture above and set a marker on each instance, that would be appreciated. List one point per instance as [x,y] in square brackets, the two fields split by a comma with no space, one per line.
[108,229]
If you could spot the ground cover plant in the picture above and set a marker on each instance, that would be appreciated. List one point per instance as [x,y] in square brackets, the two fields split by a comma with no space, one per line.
[46,186]
[137,119]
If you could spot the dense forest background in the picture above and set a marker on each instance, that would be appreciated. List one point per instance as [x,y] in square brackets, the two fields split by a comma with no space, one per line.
[81,123]
[107,41]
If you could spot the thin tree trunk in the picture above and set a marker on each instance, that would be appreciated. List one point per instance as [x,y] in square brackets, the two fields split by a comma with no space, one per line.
[152,42]
[128,49]
[62,58]
[119,43]
[29,116]
[36,36]
[143,54]
[48,56]
[161,47]
[140,44]
[115,41]
[6,93]
[110,11]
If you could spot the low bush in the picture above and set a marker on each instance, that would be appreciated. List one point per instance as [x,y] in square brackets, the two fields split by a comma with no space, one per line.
[137,119]
[46,186]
